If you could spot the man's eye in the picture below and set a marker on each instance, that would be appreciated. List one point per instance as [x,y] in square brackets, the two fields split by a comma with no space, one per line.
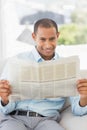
[42,39]
[52,39]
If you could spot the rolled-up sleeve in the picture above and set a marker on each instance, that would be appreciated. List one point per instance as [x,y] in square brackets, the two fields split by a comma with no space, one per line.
[76,108]
[8,108]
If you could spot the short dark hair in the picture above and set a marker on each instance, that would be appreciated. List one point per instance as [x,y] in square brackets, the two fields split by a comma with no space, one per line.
[45,22]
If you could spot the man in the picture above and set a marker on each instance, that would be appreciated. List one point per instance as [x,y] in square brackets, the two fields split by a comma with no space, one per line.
[42,114]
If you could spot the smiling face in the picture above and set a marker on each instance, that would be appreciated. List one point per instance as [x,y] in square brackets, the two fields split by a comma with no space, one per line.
[46,40]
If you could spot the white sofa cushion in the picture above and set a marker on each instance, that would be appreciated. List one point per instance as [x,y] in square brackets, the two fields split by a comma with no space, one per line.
[72,122]
[2,63]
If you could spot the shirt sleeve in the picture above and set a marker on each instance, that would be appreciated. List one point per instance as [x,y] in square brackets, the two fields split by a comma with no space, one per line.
[7,108]
[76,108]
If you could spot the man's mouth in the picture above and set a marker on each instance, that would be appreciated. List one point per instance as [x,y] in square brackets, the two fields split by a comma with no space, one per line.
[48,50]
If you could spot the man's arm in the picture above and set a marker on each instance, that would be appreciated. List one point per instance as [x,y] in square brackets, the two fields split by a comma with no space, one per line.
[6,106]
[82,89]
[5,91]
[79,103]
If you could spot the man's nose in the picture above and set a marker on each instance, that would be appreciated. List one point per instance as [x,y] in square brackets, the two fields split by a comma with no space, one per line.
[47,43]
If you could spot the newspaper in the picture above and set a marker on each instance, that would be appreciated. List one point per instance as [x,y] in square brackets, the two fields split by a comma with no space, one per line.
[48,79]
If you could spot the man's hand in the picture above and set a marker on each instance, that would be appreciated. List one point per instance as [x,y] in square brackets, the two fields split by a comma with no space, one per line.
[82,89]
[5,91]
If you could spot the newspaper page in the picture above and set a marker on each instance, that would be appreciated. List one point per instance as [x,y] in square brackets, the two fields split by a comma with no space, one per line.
[48,79]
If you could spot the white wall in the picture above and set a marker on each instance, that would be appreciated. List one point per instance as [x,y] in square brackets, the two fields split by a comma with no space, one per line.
[2,39]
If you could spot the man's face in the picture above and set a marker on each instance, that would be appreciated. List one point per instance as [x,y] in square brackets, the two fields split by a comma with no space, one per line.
[46,39]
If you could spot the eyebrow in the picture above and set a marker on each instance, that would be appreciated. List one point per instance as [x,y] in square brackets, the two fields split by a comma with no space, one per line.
[51,38]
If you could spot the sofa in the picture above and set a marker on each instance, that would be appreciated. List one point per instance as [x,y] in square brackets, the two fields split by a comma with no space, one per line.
[68,120]
[71,122]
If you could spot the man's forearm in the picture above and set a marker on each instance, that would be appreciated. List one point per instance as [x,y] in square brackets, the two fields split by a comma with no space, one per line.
[4,103]
[83,101]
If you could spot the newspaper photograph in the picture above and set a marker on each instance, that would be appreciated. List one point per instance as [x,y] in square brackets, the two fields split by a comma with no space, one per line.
[48,79]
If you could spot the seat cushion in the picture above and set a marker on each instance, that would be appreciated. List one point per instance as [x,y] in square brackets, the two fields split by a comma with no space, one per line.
[72,122]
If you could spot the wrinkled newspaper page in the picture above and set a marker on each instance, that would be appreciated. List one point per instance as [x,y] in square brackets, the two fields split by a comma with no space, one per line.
[48,79]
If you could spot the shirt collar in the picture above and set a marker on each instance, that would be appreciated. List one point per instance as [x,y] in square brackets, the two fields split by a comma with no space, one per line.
[38,58]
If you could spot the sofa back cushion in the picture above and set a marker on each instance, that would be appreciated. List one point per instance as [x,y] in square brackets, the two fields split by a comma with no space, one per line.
[2,63]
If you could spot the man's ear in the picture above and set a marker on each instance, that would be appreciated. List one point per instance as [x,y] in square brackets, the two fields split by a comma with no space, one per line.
[58,34]
[34,36]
